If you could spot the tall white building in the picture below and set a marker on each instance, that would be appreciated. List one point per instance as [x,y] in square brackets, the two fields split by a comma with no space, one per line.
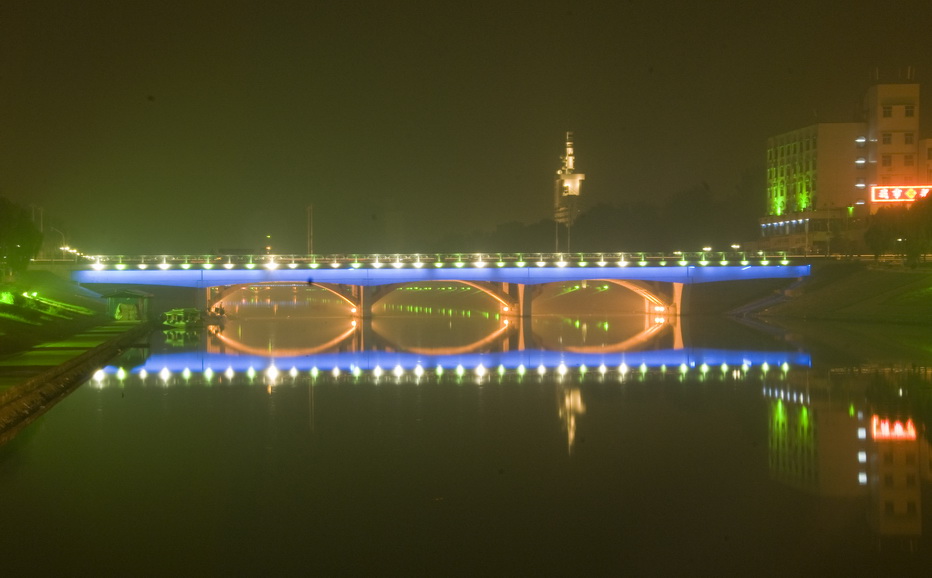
[823,179]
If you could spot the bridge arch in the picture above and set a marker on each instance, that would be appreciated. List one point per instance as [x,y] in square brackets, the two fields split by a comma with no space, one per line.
[505,300]
[644,291]
[226,290]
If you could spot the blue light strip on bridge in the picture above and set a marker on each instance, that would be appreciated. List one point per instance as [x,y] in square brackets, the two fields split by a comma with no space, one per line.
[528,275]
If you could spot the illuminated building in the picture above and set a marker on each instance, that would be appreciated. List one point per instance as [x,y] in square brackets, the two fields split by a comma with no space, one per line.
[566,193]
[823,180]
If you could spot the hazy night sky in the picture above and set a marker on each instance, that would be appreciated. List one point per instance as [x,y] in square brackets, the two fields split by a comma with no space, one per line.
[185,127]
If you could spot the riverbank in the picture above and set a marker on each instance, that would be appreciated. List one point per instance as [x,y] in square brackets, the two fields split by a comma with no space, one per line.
[862,292]
[46,374]
[40,307]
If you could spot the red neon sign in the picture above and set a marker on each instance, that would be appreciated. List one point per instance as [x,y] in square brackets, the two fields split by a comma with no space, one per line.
[900,193]
[884,430]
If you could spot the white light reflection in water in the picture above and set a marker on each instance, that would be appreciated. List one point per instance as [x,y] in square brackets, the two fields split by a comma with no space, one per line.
[570,407]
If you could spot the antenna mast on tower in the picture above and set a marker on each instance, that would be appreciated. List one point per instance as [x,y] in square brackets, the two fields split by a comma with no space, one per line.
[566,194]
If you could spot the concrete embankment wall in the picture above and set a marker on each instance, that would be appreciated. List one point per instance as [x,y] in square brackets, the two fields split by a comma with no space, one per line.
[21,404]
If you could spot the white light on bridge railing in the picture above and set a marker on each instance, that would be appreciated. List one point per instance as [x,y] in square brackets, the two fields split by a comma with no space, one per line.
[540,263]
[228,265]
[164,266]
[292,265]
[601,263]
[186,265]
[438,264]
[764,262]
[208,265]
[500,264]
[120,266]
[561,263]
[418,264]
[143,266]
[97,266]
[355,265]
[377,264]
[335,265]
[398,264]
[479,264]
[521,264]
[250,265]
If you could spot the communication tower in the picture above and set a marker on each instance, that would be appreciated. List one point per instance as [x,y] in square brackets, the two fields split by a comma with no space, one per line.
[566,193]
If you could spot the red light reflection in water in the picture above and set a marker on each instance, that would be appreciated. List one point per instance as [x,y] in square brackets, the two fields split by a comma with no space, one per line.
[883,429]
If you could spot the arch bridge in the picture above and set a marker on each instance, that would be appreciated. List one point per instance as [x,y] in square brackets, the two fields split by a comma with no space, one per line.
[511,279]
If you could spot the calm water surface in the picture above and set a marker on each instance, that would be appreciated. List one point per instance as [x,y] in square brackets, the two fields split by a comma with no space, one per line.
[450,442]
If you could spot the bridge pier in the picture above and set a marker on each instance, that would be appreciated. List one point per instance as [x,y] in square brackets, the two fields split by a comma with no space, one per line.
[522,298]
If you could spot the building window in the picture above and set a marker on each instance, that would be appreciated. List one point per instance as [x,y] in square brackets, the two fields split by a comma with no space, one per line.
[908,161]
[911,508]
[911,480]
[910,110]
[888,507]
[886,138]
[886,161]
[929,154]
[887,111]
[908,138]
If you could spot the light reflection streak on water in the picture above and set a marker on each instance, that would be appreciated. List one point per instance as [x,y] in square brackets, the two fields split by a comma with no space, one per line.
[543,361]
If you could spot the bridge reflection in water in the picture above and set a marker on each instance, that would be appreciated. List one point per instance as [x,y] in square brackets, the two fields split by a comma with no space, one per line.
[508,345]
[454,346]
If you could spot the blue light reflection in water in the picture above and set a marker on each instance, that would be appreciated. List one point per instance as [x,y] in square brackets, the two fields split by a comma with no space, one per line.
[197,361]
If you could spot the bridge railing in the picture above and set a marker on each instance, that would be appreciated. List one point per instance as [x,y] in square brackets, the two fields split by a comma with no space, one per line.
[376,260]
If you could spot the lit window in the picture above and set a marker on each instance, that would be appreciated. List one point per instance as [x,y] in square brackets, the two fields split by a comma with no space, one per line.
[886,160]
[862,478]
[908,138]
[862,457]
[910,110]
[887,111]
[886,138]
[862,433]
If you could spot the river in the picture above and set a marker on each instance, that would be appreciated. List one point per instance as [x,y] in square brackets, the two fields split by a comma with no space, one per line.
[444,439]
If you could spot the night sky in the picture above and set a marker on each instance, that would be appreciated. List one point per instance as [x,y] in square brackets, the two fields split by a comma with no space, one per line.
[191,127]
